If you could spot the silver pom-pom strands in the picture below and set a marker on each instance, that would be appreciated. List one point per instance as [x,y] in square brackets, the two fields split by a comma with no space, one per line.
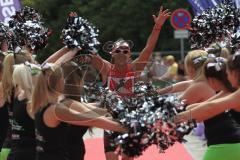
[149,117]
[79,33]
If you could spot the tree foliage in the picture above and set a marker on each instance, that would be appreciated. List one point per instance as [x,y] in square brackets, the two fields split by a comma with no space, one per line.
[128,19]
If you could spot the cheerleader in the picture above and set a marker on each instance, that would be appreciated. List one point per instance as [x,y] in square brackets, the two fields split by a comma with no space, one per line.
[73,89]
[8,90]
[222,129]
[52,118]
[194,62]
[23,142]
[8,93]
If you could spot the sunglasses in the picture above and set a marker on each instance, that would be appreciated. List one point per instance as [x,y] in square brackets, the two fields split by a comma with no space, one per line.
[124,51]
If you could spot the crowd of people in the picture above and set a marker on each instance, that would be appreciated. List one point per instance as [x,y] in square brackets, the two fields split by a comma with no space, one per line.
[42,117]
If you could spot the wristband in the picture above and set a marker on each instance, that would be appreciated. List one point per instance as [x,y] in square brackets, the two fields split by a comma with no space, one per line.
[157,27]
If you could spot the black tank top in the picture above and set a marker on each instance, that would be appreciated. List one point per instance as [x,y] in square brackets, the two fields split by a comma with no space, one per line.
[9,105]
[222,129]
[23,133]
[23,129]
[74,142]
[236,116]
[7,142]
[4,123]
[74,139]
[50,141]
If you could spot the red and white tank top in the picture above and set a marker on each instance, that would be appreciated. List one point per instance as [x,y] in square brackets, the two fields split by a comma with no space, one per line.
[121,82]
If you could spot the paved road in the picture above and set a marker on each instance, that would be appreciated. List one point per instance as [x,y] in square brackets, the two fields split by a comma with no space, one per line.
[195,145]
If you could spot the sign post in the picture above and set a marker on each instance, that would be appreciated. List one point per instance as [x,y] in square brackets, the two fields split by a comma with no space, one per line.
[181,34]
[181,20]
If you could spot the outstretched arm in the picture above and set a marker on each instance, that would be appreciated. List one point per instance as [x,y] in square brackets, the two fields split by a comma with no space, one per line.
[219,95]
[144,56]
[75,113]
[210,109]
[100,111]
[178,87]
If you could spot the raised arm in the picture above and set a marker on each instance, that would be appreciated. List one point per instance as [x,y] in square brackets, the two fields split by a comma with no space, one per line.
[101,65]
[144,56]
[67,56]
[55,56]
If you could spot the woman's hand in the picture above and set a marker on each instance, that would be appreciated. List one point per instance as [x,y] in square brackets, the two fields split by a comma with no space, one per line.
[161,18]
[183,117]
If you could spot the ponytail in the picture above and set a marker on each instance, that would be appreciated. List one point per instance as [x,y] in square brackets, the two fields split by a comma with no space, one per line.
[7,77]
[48,87]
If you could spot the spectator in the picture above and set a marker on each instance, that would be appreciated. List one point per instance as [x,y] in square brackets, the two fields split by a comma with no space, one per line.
[171,71]
[159,66]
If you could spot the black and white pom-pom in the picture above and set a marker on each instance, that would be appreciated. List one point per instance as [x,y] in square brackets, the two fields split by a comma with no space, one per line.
[26,14]
[28,30]
[149,117]
[92,92]
[5,33]
[236,40]
[31,34]
[79,33]
[214,25]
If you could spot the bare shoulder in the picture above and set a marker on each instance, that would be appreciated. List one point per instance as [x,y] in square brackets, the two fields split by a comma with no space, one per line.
[197,92]
[204,89]
[50,118]
[184,84]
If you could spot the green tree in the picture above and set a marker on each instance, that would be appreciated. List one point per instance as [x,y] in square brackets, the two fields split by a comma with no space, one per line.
[131,19]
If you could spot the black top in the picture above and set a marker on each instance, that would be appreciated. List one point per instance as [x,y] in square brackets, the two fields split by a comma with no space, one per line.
[222,129]
[50,141]
[7,142]
[23,129]
[9,106]
[74,139]
[236,116]
[4,123]
[74,142]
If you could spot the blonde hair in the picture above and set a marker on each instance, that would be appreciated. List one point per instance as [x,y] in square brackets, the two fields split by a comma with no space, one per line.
[225,53]
[22,77]
[46,87]
[8,63]
[198,67]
